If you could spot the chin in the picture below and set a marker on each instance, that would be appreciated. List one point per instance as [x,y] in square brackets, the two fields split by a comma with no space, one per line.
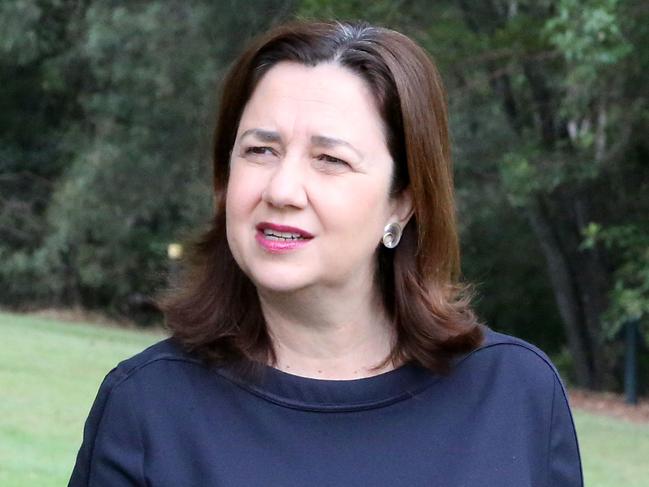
[278,280]
[283,287]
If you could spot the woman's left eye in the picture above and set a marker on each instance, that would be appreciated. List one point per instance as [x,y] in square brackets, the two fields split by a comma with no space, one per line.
[331,159]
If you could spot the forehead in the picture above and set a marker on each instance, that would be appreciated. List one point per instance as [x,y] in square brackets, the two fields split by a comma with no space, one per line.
[326,98]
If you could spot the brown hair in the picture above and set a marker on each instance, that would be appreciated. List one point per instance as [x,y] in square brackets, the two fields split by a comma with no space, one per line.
[215,312]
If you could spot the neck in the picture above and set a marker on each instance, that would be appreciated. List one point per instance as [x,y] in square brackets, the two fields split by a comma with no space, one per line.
[329,334]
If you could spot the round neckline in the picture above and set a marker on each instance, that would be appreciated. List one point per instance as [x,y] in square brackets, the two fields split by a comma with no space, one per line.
[312,394]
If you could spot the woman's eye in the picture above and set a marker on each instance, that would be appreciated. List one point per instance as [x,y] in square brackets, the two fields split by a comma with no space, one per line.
[260,151]
[331,159]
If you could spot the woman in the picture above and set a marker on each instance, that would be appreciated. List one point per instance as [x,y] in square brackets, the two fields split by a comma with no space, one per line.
[320,336]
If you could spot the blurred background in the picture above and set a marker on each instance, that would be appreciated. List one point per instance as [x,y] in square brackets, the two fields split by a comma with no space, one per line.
[106,113]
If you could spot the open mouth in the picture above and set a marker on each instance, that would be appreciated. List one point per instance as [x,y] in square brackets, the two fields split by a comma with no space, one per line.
[282,236]
[277,238]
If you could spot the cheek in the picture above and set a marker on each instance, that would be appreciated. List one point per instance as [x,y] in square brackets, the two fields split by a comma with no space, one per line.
[238,210]
[359,208]
[241,196]
[240,201]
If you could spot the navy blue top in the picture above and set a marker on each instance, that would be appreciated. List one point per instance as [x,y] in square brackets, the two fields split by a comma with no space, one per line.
[501,418]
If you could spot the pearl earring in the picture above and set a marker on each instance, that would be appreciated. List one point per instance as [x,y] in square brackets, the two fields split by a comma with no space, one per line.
[391,235]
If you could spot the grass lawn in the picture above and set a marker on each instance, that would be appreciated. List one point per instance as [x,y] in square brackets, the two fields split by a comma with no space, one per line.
[613,452]
[49,375]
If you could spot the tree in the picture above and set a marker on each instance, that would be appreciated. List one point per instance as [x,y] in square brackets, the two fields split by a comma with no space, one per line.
[562,75]
[132,92]
[40,77]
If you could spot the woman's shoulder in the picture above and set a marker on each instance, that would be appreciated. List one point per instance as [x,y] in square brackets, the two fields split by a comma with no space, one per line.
[511,385]
[502,343]
[503,357]
[159,359]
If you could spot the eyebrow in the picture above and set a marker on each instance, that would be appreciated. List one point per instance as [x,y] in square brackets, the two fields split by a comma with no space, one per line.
[263,135]
[329,142]
[317,140]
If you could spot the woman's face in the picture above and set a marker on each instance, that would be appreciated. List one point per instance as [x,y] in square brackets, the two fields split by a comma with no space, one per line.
[307,198]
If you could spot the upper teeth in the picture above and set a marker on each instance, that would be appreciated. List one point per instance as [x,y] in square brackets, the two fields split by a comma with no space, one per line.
[274,233]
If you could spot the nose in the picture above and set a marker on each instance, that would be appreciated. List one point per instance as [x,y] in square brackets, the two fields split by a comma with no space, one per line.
[286,185]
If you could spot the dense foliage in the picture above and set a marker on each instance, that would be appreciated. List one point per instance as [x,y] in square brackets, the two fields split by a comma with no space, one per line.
[104,151]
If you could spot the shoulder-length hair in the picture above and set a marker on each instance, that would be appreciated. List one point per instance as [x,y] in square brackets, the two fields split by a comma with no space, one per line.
[214,310]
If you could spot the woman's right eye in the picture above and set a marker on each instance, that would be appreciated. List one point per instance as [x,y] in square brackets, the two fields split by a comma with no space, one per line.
[259,150]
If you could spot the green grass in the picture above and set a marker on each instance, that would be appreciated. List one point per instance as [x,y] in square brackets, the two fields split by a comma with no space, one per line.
[49,375]
[613,452]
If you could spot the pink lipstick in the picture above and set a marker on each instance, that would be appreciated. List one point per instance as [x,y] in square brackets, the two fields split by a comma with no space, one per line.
[280,239]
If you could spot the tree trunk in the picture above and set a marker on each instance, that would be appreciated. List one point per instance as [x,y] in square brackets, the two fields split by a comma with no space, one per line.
[564,288]
[593,284]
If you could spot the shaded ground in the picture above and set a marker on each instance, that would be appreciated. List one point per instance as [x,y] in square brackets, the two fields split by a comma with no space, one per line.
[609,404]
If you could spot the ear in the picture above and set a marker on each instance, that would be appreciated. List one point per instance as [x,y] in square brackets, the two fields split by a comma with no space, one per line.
[402,208]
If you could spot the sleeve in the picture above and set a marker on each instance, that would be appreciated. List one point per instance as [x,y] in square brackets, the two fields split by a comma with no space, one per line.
[111,453]
[564,461]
